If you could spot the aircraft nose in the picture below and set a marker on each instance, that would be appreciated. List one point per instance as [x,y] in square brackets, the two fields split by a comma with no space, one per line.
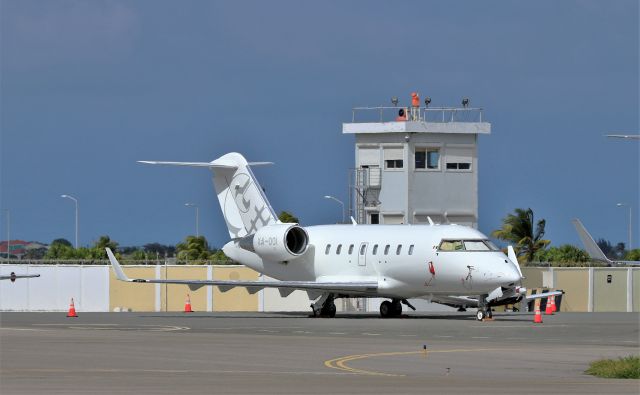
[511,273]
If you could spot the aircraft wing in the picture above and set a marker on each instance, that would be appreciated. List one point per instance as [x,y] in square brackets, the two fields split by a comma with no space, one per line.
[14,276]
[285,287]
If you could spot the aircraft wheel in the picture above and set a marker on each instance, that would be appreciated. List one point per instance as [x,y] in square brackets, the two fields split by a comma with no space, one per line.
[397,309]
[386,309]
[480,315]
[329,310]
[489,313]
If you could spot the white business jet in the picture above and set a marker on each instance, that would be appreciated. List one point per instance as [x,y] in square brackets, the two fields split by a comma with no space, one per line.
[397,262]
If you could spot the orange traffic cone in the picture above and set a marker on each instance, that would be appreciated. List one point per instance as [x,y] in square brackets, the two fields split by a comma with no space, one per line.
[553,303]
[72,310]
[537,319]
[549,309]
[187,305]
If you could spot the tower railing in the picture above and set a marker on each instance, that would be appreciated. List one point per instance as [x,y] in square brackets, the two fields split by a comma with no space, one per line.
[424,114]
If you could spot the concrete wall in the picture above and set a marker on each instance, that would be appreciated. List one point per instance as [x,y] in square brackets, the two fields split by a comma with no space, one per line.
[610,296]
[95,288]
[53,290]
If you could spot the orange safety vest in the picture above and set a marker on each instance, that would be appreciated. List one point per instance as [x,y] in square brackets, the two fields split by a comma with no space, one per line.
[415,100]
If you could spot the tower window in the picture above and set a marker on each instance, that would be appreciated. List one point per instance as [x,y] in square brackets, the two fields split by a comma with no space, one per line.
[393,164]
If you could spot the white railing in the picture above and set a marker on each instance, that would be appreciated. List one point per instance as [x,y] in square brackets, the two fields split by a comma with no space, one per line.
[424,114]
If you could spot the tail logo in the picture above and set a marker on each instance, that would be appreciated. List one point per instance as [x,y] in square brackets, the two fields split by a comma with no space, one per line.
[241,184]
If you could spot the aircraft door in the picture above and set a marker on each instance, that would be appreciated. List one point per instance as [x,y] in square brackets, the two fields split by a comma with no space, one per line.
[362,254]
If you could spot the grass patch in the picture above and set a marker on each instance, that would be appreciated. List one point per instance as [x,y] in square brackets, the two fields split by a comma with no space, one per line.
[621,368]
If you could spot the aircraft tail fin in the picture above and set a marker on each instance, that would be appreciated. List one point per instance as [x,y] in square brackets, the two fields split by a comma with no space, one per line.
[244,205]
[589,244]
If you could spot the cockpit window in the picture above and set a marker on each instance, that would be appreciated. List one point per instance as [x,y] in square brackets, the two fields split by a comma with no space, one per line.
[492,246]
[451,245]
[475,245]
[467,245]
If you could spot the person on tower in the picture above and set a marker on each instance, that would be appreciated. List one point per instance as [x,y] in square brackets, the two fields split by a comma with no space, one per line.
[415,106]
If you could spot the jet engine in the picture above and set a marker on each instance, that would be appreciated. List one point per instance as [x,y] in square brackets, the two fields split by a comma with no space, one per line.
[279,242]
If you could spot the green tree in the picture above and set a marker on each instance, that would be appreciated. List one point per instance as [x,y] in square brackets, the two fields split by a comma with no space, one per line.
[59,251]
[633,255]
[63,242]
[193,248]
[518,228]
[566,253]
[98,250]
[287,217]
[220,258]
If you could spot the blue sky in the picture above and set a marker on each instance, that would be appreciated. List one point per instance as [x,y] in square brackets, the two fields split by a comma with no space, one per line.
[88,88]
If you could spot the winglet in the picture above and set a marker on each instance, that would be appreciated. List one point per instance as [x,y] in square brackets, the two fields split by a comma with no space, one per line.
[116,266]
[511,254]
[353,221]
[589,244]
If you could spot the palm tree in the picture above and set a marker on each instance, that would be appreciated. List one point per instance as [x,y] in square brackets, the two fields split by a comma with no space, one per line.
[193,248]
[517,228]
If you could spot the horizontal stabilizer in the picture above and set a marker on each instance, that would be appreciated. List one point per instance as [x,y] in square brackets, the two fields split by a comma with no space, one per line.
[189,164]
[16,276]
[211,165]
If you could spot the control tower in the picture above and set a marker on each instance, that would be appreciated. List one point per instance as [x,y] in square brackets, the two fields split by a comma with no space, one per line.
[416,163]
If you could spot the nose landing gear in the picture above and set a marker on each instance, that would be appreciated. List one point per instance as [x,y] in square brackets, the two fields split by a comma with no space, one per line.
[484,311]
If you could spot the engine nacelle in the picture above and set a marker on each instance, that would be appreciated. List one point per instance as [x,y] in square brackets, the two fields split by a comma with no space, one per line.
[280,242]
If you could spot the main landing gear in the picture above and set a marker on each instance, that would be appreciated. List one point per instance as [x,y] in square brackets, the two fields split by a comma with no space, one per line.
[393,308]
[324,307]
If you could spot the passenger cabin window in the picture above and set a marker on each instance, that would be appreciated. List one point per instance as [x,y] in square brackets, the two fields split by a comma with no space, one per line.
[375,249]
[399,249]
[326,250]
[351,249]
[386,249]
[338,249]
[363,248]
[411,249]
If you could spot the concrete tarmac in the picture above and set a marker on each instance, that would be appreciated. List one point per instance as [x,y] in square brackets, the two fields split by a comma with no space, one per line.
[289,353]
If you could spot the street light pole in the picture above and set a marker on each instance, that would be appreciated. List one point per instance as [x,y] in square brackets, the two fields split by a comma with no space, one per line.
[197,217]
[8,234]
[76,202]
[339,201]
[629,247]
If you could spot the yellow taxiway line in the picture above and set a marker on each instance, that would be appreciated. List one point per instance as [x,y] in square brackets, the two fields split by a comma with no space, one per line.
[340,363]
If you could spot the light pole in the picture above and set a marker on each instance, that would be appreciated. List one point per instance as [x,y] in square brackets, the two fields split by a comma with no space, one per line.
[76,202]
[629,247]
[197,217]
[8,234]
[339,201]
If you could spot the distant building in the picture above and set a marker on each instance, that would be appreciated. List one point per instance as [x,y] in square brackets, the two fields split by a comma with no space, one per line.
[409,170]
[18,248]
